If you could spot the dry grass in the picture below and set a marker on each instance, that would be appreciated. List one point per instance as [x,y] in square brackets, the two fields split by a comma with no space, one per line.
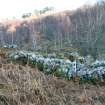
[22,85]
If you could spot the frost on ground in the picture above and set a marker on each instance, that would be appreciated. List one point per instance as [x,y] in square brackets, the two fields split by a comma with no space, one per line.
[62,67]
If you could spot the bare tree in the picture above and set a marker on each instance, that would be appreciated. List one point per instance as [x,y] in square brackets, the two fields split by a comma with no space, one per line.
[12,31]
[1,35]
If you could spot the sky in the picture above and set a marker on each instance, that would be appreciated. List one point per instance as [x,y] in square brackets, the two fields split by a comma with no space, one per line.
[15,8]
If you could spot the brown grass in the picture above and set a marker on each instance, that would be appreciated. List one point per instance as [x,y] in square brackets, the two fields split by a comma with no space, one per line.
[22,85]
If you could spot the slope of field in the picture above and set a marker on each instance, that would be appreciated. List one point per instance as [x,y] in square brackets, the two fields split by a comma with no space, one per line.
[22,85]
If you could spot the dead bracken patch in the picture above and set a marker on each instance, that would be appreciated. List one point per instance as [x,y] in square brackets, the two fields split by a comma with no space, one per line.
[22,85]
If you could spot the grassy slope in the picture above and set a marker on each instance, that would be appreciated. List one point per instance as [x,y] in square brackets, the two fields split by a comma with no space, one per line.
[21,85]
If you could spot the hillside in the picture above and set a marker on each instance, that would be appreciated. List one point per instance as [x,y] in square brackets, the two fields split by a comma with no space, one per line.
[54,58]
[81,30]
